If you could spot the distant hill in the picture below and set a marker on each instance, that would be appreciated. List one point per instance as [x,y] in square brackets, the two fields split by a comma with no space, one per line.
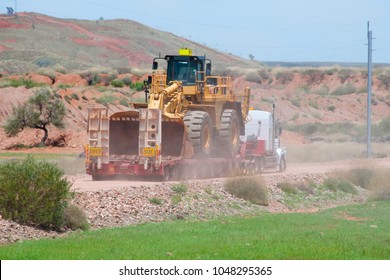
[321,64]
[32,41]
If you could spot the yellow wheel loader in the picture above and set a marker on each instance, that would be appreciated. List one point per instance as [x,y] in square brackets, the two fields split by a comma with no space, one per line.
[189,117]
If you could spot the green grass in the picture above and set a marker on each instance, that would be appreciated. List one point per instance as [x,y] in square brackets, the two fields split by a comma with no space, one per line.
[337,233]
[70,163]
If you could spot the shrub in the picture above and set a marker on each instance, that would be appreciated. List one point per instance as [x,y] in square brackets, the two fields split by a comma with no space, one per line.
[331,108]
[118,83]
[284,76]
[385,79]
[360,176]
[28,83]
[96,79]
[33,192]
[380,186]
[108,79]
[343,90]
[176,199]
[138,86]
[336,184]
[264,74]
[44,62]
[68,99]
[124,102]
[382,129]
[323,90]
[123,70]
[75,96]
[127,81]
[313,75]
[252,189]
[253,77]
[156,200]
[296,102]
[344,75]
[75,218]
[179,188]
[287,187]
[106,99]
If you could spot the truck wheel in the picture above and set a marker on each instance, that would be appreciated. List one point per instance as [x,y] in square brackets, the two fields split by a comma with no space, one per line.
[282,165]
[259,165]
[200,131]
[229,133]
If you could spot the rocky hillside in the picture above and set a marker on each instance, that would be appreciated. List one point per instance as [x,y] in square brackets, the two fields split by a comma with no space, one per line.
[33,42]
[81,60]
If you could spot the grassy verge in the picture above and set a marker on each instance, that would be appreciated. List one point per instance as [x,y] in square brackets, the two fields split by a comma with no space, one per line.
[332,234]
[322,151]
[71,164]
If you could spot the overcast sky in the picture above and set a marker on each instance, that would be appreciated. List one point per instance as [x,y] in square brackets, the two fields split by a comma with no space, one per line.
[272,30]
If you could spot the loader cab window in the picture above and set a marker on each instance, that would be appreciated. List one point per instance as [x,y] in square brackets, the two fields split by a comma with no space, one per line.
[184,69]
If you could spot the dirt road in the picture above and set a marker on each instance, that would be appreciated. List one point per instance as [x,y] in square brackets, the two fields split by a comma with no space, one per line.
[85,183]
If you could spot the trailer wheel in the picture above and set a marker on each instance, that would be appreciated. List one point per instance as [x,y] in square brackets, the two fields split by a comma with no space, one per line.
[181,172]
[167,173]
[101,177]
[229,133]
[200,131]
[191,172]
[174,173]
[97,177]
[282,165]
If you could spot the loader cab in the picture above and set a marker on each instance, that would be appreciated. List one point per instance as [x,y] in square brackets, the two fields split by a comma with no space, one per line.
[185,68]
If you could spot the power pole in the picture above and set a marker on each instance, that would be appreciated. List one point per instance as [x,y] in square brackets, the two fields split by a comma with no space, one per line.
[369,83]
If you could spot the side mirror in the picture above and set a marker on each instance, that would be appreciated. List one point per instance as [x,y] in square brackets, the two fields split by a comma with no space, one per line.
[155,65]
[208,69]
[148,81]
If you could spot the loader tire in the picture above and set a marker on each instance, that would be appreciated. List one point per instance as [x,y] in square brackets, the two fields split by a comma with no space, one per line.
[229,133]
[200,132]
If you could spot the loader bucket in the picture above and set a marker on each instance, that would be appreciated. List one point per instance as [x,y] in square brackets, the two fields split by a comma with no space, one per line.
[124,131]
[173,131]
[124,135]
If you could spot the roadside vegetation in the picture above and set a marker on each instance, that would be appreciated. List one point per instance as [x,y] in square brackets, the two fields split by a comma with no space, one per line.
[332,234]
[39,112]
[380,130]
[323,151]
[35,193]
[363,178]
[22,82]
[252,189]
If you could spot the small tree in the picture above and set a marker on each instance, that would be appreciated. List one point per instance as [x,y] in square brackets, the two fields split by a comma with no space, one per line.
[38,112]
